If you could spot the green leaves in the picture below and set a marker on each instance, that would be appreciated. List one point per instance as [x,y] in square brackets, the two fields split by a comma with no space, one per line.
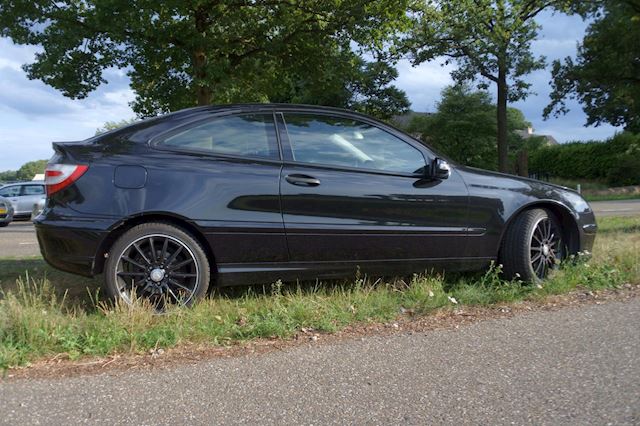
[465,126]
[605,77]
[180,54]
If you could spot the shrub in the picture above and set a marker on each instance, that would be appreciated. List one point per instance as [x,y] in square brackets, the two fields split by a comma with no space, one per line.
[616,160]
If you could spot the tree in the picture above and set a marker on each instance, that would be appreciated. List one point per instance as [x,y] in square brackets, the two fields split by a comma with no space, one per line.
[489,40]
[605,76]
[8,176]
[112,125]
[28,170]
[186,53]
[345,80]
[465,125]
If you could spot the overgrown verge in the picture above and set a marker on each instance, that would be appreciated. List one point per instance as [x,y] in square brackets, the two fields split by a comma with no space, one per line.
[36,321]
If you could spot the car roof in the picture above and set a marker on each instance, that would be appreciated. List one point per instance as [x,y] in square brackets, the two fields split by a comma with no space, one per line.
[29,182]
[145,130]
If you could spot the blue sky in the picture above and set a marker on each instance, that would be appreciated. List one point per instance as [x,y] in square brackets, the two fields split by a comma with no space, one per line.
[32,115]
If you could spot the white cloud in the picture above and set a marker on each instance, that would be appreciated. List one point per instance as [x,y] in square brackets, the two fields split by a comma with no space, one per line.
[423,83]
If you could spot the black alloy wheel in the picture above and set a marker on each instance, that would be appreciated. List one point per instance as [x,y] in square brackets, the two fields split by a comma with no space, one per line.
[532,246]
[159,263]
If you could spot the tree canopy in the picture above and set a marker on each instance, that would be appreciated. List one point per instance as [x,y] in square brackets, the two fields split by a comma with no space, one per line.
[489,40]
[26,172]
[605,76]
[464,127]
[180,54]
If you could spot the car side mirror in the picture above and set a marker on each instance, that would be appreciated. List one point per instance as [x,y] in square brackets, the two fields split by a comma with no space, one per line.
[440,169]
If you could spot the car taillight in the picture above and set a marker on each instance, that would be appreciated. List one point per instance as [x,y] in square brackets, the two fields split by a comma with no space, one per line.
[59,176]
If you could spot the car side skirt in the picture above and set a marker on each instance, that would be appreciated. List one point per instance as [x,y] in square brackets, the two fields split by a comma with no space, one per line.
[232,274]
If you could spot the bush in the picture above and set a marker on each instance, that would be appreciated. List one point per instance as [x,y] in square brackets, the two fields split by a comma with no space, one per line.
[616,160]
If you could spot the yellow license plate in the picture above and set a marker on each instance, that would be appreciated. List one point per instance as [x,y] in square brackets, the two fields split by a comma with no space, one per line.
[3,210]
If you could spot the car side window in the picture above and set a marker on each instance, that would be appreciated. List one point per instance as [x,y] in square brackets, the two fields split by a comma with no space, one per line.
[247,135]
[10,191]
[33,190]
[338,141]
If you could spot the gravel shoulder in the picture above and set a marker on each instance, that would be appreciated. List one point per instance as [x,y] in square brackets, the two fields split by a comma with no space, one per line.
[573,363]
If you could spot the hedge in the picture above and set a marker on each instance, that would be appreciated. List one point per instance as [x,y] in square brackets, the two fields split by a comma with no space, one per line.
[616,160]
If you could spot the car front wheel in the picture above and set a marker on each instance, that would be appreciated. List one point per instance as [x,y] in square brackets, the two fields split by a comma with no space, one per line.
[532,246]
[159,263]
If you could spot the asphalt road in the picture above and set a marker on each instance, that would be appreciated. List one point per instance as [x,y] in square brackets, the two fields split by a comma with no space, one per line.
[577,365]
[19,238]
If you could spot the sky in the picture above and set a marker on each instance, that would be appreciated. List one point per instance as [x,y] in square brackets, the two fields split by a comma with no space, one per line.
[32,114]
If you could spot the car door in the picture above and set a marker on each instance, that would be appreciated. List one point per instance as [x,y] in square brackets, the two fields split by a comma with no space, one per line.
[30,195]
[355,191]
[12,193]
[229,167]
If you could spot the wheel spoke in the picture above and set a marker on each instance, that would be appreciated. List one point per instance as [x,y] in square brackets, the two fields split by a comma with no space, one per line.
[153,250]
[133,262]
[536,258]
[539,241]
[181,264]
[176,298]
[172,258]
[137,246]
[163,254]
[177,284]
[181,275]
[131,274]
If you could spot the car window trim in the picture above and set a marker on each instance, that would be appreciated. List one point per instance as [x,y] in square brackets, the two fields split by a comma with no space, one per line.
[12,186]
[156,140]
[24,187]
[348,169]
[289,159]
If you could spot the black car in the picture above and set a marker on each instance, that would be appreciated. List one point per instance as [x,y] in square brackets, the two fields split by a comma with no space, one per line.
[247,194]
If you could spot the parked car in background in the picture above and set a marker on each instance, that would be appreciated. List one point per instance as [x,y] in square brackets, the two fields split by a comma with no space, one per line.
[249,194]
[6,212]
[23,196]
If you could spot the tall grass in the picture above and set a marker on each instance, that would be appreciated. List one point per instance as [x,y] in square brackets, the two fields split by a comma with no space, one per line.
[36,321]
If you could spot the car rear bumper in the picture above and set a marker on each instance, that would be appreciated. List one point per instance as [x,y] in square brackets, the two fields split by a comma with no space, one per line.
[71,246]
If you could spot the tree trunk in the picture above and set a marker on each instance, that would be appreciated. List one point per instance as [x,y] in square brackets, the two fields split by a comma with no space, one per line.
[503,143]
[203,92]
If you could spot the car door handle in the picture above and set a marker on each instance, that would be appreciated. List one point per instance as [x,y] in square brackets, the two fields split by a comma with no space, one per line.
[302,180]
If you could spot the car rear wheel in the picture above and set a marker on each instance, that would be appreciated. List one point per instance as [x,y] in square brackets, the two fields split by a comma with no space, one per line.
[532,246]
[159,263]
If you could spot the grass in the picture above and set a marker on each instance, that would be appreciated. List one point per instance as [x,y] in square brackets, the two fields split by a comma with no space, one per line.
[45,313]
[588,186]
[611,197]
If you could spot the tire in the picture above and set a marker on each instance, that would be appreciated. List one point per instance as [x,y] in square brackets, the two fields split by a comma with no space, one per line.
[3,224]
[176,271]
[532,246]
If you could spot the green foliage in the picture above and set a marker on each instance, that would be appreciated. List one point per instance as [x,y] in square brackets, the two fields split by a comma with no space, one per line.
[36,322]
[112,125]
[489,40]
[8,176]
[464,127]
[180,54]
[615,160]
[26,172]
[605,76]
[345,80]
[30,169]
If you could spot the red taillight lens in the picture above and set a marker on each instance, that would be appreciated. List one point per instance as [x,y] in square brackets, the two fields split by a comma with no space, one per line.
[59,176]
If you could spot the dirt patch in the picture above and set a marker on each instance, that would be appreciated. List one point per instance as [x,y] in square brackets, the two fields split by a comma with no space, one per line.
[407,322]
